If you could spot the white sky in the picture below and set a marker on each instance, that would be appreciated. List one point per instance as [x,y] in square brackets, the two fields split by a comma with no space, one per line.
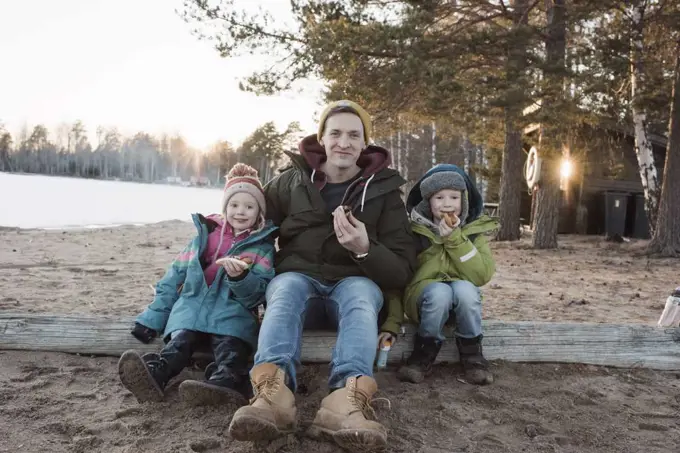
[132,64]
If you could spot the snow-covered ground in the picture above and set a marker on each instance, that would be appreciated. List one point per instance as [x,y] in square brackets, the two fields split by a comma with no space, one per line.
[36,201]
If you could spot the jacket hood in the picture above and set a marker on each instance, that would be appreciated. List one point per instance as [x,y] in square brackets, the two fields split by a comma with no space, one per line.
[216,219]
[476,203]
[374,162]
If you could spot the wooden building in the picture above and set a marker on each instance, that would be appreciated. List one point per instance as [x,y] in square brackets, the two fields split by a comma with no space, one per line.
[604,193]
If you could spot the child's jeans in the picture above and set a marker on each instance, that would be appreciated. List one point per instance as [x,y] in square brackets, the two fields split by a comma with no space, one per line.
[440,300]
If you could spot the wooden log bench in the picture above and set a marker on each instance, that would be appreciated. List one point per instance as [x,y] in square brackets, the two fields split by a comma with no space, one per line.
[629,345]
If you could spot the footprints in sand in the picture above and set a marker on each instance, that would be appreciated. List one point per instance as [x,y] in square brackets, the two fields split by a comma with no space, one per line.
[62,428]
[32,372]
[63,404]
[129,411]
[76,404]
[532,408]
[97,270]
[203,445]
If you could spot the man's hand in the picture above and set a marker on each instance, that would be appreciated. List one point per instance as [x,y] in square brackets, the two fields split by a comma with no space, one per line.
[143,333]
[384,337]
[351,233]
[234,266]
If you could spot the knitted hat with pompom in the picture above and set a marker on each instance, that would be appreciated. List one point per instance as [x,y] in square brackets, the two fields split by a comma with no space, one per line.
[243,178]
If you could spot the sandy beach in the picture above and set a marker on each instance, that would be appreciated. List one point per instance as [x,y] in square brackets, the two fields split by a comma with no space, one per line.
[67,403]
[109,271]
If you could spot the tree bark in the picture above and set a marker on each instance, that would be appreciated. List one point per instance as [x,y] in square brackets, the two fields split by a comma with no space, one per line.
[407,150]
[434,143]
[548,195]
[666,237]
[395,155]
[548,198]
[643,147]
[513,159]
[510,195]
[399,153]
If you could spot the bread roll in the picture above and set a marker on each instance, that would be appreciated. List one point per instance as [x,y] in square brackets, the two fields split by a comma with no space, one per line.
[450,218]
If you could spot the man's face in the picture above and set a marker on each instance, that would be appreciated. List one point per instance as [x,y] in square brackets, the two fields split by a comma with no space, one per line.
[343,139]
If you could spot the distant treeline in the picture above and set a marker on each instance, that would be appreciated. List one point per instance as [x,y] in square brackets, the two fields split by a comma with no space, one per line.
[142,157]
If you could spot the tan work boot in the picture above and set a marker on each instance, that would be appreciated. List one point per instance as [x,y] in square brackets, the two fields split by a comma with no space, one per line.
[271,412]
[343,417]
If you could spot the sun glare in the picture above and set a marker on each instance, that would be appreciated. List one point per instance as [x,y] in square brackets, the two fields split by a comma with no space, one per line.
[566,169]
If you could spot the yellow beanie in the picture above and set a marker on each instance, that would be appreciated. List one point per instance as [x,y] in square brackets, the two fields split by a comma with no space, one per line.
[363,115]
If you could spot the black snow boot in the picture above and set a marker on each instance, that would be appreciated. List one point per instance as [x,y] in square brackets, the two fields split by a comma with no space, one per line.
[474,364]
[419,363]
[226,380]
[146,376]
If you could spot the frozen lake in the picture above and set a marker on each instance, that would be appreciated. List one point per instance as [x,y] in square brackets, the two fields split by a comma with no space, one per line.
[36,201]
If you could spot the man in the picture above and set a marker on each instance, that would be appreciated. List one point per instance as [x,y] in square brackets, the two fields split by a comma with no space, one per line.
[344,238]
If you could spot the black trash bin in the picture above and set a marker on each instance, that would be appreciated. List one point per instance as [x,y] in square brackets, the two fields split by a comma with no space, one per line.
[616,205]
[641,223]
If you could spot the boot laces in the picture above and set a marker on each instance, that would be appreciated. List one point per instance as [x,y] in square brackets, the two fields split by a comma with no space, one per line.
[362,402]
[265,389]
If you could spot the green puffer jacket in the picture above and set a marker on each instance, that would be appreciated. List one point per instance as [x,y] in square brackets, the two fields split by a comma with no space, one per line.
[463,255]
[307,242]
[455,257]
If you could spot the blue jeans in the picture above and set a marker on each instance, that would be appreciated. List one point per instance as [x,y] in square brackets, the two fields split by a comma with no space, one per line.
[296,302]
[440,299]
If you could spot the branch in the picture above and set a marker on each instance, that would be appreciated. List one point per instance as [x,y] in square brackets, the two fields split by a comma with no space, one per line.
[504,7]
[259,31]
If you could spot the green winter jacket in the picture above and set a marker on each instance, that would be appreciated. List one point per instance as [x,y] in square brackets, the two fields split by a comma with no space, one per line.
[307,241]
[452,258]
[463,255]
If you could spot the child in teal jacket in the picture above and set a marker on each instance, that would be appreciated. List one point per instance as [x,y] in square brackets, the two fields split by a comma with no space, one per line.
[208,296]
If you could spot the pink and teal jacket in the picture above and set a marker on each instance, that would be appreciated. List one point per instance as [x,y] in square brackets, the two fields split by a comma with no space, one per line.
[196,294]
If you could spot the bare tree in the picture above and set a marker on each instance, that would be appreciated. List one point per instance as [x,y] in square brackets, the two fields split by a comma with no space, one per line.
[666,236]
[643,147]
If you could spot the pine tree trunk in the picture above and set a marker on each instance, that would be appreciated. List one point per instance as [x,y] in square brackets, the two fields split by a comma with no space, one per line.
[4,160]
[510,196]
[548,195]
[395,156]
[400,154]
[547,206]
[643,147]
[434,143]
[407,151]
[666,238]
[511,183]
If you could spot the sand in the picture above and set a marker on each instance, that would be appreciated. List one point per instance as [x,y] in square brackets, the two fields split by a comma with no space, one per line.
[67,403]
[109,271]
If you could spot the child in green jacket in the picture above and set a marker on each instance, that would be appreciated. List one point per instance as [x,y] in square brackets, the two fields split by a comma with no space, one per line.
[454,261]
